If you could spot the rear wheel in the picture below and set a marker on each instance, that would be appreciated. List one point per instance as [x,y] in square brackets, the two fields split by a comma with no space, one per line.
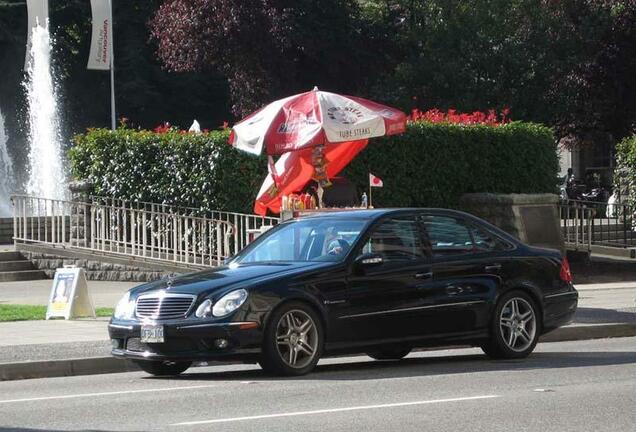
[389,352]
[163,368]
[515,327]
[293,340]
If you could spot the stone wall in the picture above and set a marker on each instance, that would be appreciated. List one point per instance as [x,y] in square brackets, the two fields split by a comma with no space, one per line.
[532,218]
[95,270]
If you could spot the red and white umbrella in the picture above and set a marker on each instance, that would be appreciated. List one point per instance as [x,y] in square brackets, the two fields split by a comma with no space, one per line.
[296,169]
[314,118]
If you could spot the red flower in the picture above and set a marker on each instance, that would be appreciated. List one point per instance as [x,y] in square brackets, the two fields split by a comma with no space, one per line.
[452,116]
[162,128]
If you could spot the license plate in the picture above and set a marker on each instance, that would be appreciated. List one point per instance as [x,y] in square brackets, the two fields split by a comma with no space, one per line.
[152,333]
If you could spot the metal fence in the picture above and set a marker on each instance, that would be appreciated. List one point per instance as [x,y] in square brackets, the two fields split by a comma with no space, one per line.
[42,220]
[587,223]
[147,230]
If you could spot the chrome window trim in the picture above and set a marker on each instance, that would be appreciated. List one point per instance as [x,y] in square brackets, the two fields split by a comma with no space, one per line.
[390,311]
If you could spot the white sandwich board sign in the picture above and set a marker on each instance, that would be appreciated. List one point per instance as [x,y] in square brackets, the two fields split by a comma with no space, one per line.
[69,296]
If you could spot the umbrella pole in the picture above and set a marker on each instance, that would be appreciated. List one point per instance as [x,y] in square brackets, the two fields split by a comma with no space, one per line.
[370,196]
[320,191]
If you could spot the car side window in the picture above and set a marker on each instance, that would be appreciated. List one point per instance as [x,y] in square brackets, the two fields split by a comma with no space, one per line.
[448,235]
[486,241]
[396,240]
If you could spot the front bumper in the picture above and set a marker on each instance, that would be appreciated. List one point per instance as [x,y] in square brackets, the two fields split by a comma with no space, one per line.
[188,341]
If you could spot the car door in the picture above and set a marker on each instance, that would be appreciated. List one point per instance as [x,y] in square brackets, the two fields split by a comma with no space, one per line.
[384,300]
[466,273]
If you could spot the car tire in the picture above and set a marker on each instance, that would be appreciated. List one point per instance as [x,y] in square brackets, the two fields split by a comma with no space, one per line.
[162,368]
[389,352]
[515,327]
[293,340]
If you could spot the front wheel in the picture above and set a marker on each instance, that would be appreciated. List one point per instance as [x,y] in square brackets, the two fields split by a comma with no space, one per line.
[293,340]
[163,368]
[515,327]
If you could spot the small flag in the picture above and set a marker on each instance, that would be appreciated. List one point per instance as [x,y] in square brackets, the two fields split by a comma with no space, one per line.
[375,181]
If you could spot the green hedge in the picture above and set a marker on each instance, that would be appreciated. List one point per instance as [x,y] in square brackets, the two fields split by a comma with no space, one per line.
[625,174]
[191,170]
[429,165]
[433,164]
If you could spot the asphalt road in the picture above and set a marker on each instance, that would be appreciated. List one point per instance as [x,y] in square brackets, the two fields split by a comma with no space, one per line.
[568,386]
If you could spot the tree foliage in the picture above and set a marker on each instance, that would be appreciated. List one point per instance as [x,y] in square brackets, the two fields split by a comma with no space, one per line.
[570,64]
[565,63]
[601,90]
[269,48]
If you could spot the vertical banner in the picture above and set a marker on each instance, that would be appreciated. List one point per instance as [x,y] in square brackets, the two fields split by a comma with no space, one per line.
[102,37]
[38,14]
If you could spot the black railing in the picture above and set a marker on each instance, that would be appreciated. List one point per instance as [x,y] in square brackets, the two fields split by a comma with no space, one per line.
[586,223]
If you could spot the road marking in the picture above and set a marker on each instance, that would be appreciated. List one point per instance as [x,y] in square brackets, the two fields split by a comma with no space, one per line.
[334,410]
[72,396]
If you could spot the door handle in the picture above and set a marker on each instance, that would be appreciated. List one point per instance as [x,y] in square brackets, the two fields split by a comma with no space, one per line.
[493,268]
[424,275]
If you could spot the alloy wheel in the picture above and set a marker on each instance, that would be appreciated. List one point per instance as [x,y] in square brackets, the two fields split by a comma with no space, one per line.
[518,324]
[296,338]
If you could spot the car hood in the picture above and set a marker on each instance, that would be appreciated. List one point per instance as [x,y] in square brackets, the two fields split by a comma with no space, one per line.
[234,276]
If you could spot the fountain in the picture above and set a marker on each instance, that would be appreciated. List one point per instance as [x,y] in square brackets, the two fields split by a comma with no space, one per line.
[6,174]
[46,175]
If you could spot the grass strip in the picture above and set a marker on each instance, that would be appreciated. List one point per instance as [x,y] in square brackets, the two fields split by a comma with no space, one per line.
[18,312]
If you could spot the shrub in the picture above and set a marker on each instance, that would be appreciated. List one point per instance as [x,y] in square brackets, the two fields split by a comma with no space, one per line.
[432,164]
[625,173]
[190,170]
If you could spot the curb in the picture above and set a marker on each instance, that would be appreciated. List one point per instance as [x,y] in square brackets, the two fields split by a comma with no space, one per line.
[106,365]
[590,331]
[62,368]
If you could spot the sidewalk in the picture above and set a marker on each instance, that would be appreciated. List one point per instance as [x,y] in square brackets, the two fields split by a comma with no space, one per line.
[36,292]
[42,348]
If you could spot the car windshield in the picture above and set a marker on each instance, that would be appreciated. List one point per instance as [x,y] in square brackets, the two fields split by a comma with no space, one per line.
[310,239]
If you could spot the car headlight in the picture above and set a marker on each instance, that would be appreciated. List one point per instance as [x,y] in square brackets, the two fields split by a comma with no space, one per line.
[125,309]
[229,303]
[225,305]
[204,310]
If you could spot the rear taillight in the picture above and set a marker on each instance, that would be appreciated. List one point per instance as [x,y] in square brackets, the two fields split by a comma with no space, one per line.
[565,274]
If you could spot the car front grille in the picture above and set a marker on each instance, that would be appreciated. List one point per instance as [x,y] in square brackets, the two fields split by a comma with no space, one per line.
[163,306]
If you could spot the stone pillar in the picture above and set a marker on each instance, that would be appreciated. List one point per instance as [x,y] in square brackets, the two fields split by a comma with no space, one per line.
[532,218]
[80,213]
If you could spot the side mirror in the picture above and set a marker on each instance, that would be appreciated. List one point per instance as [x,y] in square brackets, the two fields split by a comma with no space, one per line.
[368,260]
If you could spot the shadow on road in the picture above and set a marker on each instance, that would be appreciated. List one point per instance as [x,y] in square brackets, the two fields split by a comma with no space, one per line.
[586,315]
[425,366]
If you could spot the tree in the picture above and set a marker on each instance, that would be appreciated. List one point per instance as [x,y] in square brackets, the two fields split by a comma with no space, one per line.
[601,91]
[268,48]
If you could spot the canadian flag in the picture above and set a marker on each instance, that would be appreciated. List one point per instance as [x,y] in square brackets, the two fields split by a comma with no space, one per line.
[375,181]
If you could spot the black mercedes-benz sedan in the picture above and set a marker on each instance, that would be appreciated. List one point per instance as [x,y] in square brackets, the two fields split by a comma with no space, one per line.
[380,282]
